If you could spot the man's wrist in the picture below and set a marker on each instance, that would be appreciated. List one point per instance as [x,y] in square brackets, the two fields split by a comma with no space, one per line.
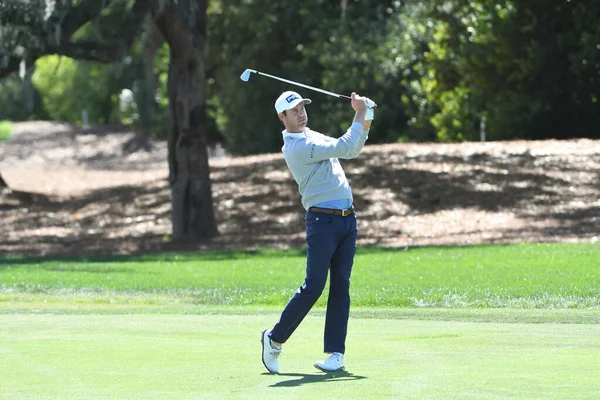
[360,116]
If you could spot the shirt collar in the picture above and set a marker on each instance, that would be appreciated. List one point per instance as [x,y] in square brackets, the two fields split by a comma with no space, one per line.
[287,134]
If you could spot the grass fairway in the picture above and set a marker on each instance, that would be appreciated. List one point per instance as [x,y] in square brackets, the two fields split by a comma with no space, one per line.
[489,322]
[517,276]
[212,356]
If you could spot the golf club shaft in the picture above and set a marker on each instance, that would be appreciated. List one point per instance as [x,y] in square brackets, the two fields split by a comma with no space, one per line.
[341,96]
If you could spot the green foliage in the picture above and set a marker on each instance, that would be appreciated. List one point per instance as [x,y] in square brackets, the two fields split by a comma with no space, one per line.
[109,93]
[68,87]
[14,105]
[436,69]
[5,130]
[531,68]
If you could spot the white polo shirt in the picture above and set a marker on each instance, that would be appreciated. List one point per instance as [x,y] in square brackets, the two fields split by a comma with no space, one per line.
[313,161]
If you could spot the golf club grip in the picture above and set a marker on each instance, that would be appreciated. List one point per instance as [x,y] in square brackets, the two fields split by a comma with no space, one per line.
[350,99]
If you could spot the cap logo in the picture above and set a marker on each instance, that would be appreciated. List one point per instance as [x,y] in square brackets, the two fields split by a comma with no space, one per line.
[291,98]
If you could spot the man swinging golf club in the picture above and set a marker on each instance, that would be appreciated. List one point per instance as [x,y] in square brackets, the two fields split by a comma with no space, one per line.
[330,224]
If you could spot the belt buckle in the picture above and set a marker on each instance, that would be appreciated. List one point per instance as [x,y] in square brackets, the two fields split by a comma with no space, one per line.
[344,213]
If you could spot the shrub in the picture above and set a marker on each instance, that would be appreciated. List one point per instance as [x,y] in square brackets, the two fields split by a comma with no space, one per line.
[5,130]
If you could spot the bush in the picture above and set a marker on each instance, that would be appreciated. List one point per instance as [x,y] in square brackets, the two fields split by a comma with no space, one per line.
[5,130]
[69,86]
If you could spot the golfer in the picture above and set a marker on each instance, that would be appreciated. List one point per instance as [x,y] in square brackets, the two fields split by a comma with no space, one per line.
[330,225]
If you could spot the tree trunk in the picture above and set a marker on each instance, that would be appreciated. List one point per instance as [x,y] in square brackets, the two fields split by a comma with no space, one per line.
[3,184]
[28,91]
[151,42]
[145,94]
[189,173]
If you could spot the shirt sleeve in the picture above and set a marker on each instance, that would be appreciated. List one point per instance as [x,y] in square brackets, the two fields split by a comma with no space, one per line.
[363,138]
[319,149]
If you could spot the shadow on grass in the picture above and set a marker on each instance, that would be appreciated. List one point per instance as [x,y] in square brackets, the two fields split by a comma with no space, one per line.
[302,379]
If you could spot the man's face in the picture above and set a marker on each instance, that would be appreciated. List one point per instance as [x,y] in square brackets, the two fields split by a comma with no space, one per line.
[295,120]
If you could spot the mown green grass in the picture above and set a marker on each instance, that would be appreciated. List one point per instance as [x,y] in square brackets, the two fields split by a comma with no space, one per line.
[493,322]
[151,356]
[5,130]
[512,276]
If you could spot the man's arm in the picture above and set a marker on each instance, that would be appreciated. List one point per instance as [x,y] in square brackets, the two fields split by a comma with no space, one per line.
[346,146]
[360,105]
[369,113]
[322,147]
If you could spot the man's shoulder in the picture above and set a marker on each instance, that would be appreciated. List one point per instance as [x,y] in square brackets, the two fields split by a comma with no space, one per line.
[294,139]
[314,136]
[290,144]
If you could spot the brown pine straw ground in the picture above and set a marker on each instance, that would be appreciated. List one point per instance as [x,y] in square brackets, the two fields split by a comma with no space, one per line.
[88,196]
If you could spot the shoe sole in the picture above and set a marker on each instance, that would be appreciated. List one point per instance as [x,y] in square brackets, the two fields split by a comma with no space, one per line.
[262,356]
[328,370]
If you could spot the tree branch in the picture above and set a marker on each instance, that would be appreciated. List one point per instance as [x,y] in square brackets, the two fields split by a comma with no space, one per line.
[136,18]
[173,28]
[106,52]
[78,16]
[92,51]
[109,51]
[177,29]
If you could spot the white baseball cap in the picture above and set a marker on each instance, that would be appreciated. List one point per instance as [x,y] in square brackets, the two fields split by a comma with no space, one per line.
[288,100]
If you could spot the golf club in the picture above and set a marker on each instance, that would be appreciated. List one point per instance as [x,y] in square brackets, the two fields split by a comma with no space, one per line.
[246,77]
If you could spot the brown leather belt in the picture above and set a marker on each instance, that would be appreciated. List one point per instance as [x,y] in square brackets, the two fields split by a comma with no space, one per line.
[343,213]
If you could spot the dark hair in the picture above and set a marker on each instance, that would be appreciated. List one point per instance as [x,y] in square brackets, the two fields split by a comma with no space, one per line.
[284,113]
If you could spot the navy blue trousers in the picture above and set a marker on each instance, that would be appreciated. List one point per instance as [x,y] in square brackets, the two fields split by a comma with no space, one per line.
[331,241]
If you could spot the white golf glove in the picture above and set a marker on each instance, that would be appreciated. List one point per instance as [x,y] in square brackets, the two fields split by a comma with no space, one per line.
[370,110]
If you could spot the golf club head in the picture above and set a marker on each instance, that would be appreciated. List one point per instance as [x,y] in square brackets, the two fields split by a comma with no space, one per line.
[246,75]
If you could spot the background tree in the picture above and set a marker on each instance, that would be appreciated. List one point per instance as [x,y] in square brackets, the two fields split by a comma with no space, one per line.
[531,70]
[436,68]
[33,29]
[151,42]
[183,25]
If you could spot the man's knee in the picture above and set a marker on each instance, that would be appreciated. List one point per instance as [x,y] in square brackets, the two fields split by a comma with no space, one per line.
[312,288]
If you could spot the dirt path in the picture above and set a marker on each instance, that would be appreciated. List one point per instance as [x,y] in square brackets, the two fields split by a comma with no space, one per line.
[91,197]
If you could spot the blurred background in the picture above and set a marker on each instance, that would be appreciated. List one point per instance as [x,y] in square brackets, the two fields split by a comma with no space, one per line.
[448,71]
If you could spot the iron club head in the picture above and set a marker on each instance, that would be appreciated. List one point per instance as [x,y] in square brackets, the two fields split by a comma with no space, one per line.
[246,75]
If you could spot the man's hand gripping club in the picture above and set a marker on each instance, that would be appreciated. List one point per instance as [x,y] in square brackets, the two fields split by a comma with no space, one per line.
[365,110]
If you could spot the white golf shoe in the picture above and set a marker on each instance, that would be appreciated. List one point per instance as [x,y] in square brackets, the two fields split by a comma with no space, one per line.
[270,355]
[333,363]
